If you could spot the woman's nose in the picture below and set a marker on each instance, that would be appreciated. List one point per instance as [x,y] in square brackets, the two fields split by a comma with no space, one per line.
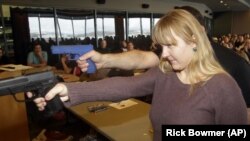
[165,52]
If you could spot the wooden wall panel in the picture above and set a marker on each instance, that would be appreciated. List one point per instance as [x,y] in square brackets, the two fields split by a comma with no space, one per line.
[13,119]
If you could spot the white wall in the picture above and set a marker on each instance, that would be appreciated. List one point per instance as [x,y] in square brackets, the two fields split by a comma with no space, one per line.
[155,6]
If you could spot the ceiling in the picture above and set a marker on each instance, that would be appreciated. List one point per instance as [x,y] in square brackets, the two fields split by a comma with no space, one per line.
[231,5]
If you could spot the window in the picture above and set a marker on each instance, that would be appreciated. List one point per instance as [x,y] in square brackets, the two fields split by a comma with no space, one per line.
[65,27]
[79,28]
[34,27]
[105,27]
[47,27]
[80,24]
[139,24]
[124,27]
[134,27]
[99,27]
[109,27]
[156,20]
[145,26]
[90,30]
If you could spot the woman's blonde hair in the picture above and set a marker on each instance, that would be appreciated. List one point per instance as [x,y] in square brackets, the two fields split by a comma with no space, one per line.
[203,65]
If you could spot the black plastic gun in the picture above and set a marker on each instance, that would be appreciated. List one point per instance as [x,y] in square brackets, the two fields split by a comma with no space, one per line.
[38,83]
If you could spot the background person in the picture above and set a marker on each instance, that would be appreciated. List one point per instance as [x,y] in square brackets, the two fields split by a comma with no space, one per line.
[123,45]
[38,57]
[103,46]
[130,45]
[68,66]
[243,50]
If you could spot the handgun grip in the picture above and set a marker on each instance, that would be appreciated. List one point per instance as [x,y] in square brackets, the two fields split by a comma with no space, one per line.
[91,68]
[54,105]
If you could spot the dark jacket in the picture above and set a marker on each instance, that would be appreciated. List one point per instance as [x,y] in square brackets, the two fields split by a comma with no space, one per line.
[236,66]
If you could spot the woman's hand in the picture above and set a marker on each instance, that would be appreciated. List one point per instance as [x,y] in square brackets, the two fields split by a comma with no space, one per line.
[95,56]
[64,58]
[58,89]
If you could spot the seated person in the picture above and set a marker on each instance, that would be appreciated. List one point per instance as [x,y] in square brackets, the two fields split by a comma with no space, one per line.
[130,46]
[123,45]
[37,58]
[3,58]
[243,50]
[103,46]
[126,46]
[69,67]
[247,49]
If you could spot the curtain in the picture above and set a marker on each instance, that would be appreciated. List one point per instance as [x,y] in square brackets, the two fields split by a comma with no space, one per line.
[21,36]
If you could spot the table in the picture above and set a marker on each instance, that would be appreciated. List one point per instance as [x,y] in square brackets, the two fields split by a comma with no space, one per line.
[14,67]
[6,74]
[10,69]
[69,77]
[129,124]
[65,76]
[13,117]
[14,121]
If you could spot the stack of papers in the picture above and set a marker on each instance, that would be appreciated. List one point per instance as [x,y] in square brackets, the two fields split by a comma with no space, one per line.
[12,67]
[123,104]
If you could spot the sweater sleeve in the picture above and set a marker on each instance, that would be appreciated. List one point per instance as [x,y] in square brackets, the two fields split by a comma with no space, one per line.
[112,89]
[227,101]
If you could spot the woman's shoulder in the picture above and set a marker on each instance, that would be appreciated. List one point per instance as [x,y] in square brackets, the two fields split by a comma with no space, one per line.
[223,84]
[158,71]
[224,94]
[221,79]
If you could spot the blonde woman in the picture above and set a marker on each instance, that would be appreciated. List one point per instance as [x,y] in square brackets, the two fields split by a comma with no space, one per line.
[189,86]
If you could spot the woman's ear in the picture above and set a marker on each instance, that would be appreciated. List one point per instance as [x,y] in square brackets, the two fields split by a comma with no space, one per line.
[193,43]
[193,38]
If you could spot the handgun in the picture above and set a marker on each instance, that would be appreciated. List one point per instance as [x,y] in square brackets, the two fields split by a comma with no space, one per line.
[38,83]
[74,52]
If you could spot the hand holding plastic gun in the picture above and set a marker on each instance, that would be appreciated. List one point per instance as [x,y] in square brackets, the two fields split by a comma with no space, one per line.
[75,52]
[39,85]
[60,90]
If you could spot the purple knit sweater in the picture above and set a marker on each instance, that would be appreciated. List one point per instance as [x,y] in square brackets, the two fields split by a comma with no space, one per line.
[218,101]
